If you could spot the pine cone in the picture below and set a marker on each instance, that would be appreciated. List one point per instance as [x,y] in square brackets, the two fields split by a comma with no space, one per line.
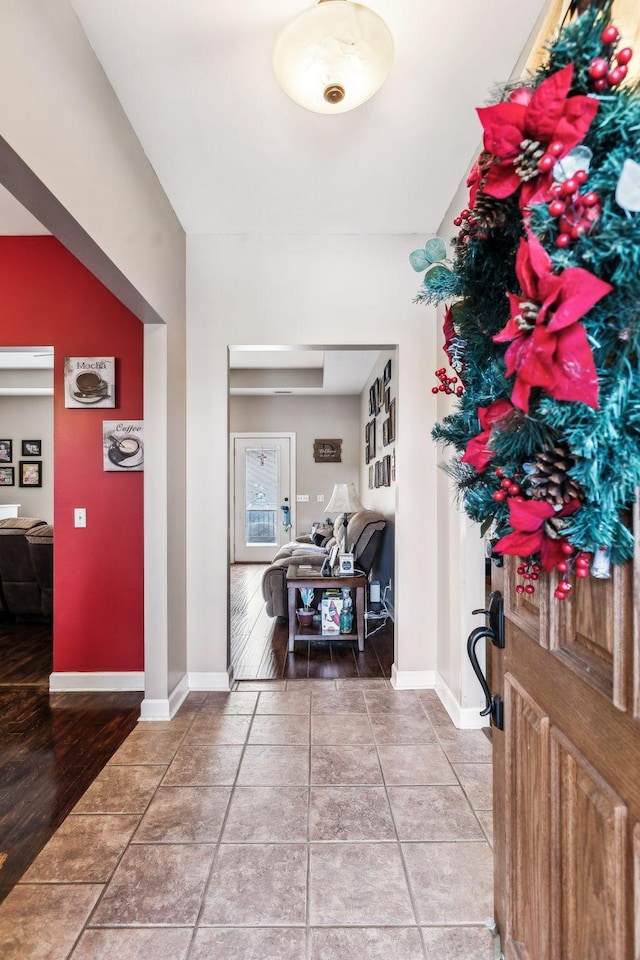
[549,476]
[489,213]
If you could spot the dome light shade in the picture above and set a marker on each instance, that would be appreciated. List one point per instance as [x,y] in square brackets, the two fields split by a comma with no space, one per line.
[334,56]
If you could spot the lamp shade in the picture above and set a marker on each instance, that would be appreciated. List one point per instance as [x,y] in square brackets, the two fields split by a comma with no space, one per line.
[334,56]
[344,499]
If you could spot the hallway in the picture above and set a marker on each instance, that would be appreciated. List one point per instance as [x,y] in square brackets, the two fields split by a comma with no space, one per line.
[287,820]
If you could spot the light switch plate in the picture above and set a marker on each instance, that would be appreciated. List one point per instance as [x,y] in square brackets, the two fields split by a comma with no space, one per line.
[79,517]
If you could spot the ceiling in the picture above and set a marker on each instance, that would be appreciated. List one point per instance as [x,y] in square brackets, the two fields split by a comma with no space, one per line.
[235,155]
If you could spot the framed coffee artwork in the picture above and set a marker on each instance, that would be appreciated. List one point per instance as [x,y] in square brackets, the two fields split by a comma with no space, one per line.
[123,446]
[89,382]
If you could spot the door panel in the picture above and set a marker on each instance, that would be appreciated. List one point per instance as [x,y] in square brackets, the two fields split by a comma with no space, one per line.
[261,486]
[567,769]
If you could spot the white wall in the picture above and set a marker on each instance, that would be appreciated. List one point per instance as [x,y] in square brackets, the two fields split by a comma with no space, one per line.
[310,418]
[29,418]
[307,290]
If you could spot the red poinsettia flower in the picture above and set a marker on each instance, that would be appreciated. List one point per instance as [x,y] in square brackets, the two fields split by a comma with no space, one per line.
[478,452]
[528,517]
[517,130]
[549,347]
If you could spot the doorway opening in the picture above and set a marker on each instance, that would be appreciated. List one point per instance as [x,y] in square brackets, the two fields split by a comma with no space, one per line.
[317,398]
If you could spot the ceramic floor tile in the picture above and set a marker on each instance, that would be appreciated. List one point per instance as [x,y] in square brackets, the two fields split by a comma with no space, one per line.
[42,922]
[458,943]
[267,815]
[477,783]
[222,702]
[350,813]
[203,766]
[367,943]
[452,883]
[358,884]
[437,714]
[134,944]
[486,819]
[147,746]
[272,765]
[338,701]
[364,683]
[340,728]
[394,702]
[184,815]
[121,789]
[273,730]
[311,685]
[345,765]
[284,703]
[408,764]
[464,746]
[84,849]
[257,884]
[399,728]
[156,884]
[218,728]
[265,943]
[433,813]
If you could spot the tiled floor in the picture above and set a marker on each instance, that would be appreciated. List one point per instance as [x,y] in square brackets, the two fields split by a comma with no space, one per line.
[289,820]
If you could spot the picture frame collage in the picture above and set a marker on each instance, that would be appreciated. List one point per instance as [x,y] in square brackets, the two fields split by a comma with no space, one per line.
[380,432]
[29,470]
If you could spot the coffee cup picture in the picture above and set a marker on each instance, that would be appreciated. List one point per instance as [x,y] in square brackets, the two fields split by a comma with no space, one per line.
[90,384]
[123,445]
[89,381]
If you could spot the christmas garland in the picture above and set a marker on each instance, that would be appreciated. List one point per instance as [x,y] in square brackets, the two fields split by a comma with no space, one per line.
[542,324]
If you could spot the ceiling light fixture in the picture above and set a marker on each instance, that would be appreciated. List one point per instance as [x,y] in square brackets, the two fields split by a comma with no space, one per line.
[333,56]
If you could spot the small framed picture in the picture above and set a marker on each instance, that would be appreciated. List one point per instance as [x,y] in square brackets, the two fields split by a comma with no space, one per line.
[327,451]
[7,477]
[30,473]
[31,448]
[6,451]
[387,372]
[89,382]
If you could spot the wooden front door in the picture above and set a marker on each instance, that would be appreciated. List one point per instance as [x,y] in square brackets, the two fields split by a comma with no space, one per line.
[567,769]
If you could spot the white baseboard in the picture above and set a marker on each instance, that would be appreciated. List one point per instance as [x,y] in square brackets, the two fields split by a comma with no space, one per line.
[209,681]
[165,709]
[96,682]
[412,679]
[465,718]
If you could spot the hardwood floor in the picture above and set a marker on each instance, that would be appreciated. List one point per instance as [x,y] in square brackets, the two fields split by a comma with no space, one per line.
[52,746]
[259,643]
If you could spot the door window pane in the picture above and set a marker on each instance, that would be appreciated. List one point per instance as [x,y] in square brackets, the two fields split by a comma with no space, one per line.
[261,496]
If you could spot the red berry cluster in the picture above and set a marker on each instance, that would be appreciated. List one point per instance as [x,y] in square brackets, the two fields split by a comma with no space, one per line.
[580,561]
[601,71]
[447,384]
[469,224]
[509,487]
[576,212]
[529,572]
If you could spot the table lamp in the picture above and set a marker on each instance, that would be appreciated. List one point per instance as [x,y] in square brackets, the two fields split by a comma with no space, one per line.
[345,500]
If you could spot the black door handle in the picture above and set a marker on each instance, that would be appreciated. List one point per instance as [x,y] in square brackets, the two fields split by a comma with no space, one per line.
[494,700]
[494,631]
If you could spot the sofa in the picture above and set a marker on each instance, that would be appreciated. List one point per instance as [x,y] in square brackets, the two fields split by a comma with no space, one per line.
[26,585]
[364,534]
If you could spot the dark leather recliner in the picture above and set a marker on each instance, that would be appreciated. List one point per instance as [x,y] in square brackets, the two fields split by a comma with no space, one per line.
[21,594]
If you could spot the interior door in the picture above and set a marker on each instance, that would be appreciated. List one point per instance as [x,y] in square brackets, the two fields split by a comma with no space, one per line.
[262,487]
[567,769]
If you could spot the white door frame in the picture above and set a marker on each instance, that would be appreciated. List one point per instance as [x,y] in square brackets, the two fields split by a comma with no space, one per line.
[271,435]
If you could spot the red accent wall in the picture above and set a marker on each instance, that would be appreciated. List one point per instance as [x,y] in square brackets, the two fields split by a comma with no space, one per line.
[48,298]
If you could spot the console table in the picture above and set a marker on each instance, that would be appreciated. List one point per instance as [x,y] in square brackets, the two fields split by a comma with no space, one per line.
[306,576]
